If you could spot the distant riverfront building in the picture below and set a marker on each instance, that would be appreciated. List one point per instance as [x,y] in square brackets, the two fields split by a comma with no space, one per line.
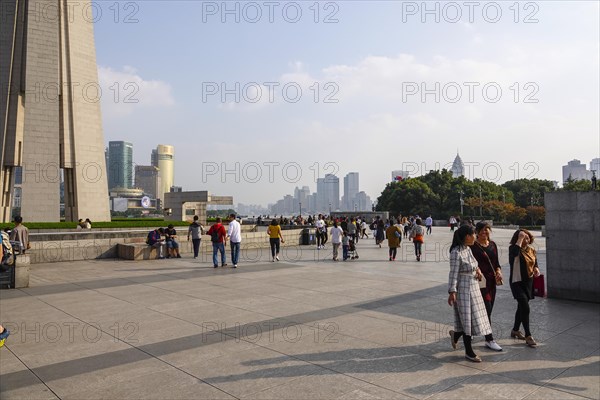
[458,167]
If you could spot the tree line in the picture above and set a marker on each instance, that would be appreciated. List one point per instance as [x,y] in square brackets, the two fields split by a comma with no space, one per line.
[439,194]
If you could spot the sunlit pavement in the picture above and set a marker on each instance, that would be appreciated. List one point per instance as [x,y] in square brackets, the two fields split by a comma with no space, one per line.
[301,328]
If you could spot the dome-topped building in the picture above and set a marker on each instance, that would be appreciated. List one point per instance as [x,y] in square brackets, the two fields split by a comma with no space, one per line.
[458,167]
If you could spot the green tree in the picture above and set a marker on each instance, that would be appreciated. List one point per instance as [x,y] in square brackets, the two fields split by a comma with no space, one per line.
[527,192]
[579,185]
[445,197]
[410,196]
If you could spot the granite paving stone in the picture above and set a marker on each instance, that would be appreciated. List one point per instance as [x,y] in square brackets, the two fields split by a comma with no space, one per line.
[307,329]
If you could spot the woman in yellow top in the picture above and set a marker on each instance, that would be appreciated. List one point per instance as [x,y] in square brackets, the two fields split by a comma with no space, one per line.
[274,232]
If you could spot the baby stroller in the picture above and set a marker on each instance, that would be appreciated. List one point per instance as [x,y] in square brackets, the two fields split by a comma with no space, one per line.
[352,252]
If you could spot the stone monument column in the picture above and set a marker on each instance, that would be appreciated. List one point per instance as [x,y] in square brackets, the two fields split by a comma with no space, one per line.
[50,103]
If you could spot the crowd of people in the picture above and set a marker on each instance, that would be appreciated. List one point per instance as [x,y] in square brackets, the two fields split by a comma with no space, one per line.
[474,274]
[475,270]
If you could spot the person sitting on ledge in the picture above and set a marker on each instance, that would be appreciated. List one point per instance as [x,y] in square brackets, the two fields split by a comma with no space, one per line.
[20,234]
[155,240]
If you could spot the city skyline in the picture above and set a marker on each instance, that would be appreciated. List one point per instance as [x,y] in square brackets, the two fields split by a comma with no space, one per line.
[372,100]
[326,198]
[303,195]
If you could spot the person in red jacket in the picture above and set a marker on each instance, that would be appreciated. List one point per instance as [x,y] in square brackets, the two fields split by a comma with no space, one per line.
[217,235]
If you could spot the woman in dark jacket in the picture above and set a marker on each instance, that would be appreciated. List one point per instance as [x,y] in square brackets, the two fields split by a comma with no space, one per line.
[485,252]
[523,268]
[380,236]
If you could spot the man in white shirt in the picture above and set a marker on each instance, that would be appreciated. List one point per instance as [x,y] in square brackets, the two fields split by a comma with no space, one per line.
[428,224]
[234,233]
[336,239]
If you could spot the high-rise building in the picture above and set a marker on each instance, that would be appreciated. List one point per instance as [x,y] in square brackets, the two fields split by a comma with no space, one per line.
[301,197]
[162,158]
[595,166]
[147,179]
[154,158]
[363,202]
[328,193]
[50,117]
[576,171]
[458,167]
[350,191]
[120,165]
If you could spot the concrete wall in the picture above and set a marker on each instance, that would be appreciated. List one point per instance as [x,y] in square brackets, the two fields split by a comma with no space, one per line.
[97,244]
[573,245]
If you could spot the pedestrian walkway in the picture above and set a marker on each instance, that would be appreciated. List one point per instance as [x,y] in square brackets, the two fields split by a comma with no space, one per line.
[302,328]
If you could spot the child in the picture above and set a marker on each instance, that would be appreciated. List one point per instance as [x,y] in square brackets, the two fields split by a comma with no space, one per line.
[345,245]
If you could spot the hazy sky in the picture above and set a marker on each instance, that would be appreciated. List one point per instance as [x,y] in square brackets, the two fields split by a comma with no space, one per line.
[293,90]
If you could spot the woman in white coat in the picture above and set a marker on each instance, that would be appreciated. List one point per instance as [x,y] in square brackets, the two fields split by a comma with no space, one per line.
[470,317]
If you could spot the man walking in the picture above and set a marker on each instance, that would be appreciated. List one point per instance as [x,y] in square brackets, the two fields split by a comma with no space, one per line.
[217,235]
[234,232]
[428,224]
[20,234]
[195,230]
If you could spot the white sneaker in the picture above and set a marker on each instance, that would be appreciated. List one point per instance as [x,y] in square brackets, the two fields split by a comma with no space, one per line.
[493,345]
[277,258]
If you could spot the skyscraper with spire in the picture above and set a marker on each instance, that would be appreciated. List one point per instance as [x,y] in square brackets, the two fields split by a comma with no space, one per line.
[458,167]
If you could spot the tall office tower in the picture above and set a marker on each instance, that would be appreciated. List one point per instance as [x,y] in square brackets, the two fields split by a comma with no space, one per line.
[162,158]
[147,179]
[350,191]
[120,165]
[154,158]
[576,171]
[328,193]
[595,166]
[50,111]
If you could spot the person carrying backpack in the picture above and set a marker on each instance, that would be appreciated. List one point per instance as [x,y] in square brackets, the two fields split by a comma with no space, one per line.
[154,239]
[417,232]
[7,250]
[217,235]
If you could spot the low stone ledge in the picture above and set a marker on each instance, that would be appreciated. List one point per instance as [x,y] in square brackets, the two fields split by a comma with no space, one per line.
[138,251]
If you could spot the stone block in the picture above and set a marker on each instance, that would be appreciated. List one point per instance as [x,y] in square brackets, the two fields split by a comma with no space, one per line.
[23,259]
[559,201]
[576,221]
[588,201]
[138,252]
[21,276]
[552,222]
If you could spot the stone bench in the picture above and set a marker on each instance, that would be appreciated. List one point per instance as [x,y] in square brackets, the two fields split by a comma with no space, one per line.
[138,251]
[21,271]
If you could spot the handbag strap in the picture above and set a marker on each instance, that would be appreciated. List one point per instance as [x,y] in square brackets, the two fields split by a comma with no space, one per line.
[486,254]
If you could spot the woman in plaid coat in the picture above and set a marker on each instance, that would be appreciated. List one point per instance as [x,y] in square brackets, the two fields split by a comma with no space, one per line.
[470,317]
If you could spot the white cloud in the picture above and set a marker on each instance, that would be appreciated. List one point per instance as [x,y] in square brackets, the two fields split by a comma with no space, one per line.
[125,91]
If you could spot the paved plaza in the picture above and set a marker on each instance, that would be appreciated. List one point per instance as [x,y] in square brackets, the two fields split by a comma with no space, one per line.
[302,328]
